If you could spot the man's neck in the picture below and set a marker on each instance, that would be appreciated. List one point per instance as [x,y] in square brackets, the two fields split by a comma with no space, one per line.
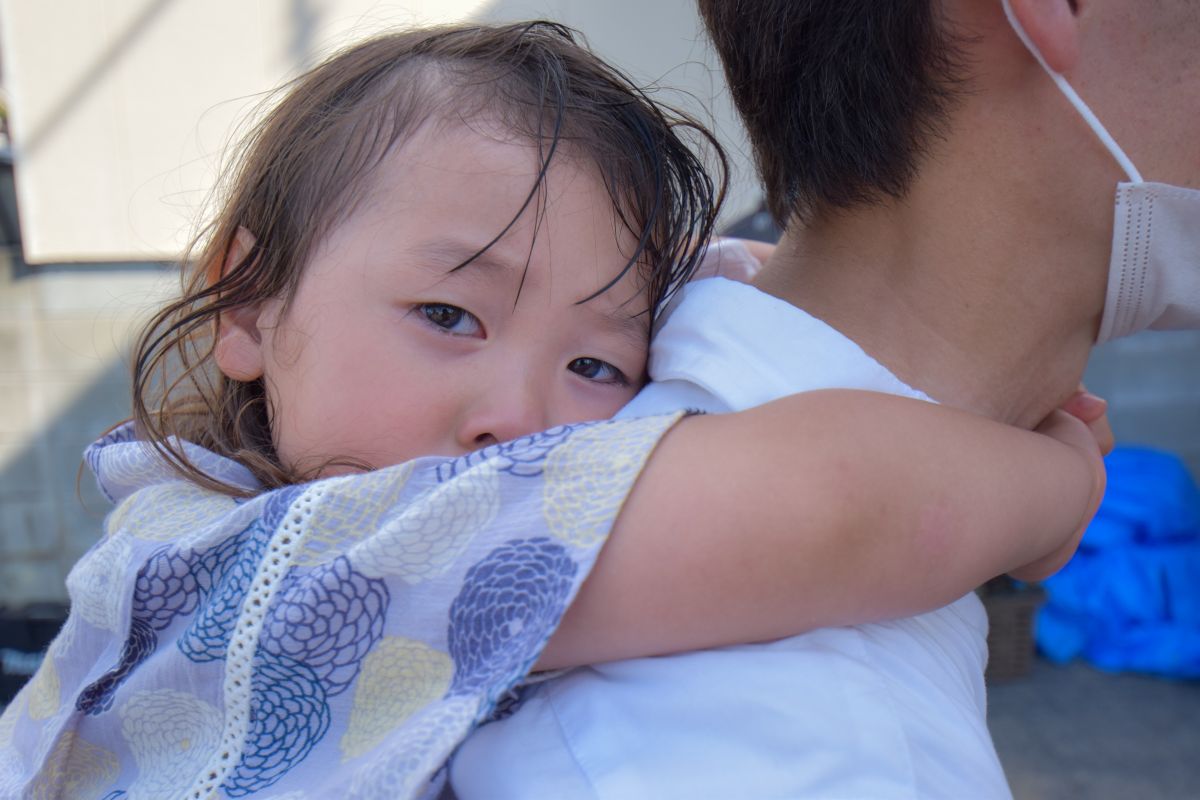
[999,326]
[985,284]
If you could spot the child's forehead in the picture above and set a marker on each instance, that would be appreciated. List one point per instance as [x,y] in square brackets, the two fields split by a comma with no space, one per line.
[486,145]
[482,202]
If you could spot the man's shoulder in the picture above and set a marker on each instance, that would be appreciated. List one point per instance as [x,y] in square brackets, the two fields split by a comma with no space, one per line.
[745,347]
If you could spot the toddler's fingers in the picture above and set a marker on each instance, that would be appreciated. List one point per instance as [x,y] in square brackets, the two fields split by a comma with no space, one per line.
[1086,406]
[1092,410]
[1102,430]
[729,258]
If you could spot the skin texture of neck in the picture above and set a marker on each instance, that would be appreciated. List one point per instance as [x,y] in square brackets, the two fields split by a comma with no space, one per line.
[971,298]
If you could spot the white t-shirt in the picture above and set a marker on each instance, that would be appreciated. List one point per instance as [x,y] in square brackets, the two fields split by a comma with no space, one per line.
[890,710]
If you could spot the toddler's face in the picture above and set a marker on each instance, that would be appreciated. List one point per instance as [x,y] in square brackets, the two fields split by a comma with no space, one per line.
[386,354]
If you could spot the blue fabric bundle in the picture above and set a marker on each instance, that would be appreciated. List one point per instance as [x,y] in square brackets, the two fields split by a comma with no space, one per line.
[1130,599]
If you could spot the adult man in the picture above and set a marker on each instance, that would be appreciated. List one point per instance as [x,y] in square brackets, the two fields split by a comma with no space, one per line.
[952,213]
[947,210]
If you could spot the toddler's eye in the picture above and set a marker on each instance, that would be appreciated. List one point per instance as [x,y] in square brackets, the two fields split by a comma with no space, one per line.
[593,369]
[451,319]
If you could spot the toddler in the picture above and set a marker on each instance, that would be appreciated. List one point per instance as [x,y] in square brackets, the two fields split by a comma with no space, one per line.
[360,488]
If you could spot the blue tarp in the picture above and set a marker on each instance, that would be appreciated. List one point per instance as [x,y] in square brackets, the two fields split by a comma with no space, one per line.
[1130,599]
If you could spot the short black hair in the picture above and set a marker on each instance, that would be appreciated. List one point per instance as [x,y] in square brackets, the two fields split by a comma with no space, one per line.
[840,97]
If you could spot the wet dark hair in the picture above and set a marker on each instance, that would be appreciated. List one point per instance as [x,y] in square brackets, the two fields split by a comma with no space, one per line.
[841,98]
[301,170]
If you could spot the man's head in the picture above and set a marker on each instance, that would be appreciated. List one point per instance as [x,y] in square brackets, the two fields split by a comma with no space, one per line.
[844,98]
[944,204]
[840,97]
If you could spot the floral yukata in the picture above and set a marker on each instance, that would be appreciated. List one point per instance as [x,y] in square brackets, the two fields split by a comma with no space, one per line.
[331,639]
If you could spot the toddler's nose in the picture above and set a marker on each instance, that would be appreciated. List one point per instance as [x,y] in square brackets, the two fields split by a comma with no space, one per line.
[508,412]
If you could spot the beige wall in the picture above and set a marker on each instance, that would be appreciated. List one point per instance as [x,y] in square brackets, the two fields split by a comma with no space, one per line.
[121,109]
[63,381]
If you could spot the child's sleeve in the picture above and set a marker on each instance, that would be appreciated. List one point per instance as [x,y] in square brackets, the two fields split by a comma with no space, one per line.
[338,638]
[484,562]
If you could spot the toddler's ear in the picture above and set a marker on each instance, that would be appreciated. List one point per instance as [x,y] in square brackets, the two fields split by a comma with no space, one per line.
[238,349]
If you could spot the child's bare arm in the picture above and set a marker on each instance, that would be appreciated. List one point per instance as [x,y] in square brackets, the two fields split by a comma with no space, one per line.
[827,508]
[1092,411]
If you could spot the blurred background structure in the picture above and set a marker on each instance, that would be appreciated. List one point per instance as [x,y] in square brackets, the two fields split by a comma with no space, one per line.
[114,121]
[123,109]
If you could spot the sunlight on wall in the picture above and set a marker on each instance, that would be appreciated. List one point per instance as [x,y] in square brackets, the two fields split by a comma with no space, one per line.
[123,110]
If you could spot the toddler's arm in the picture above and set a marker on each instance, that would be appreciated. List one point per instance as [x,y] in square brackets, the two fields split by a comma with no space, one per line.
[826,508]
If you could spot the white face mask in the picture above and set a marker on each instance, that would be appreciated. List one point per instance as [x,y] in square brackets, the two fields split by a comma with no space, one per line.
[1154,270]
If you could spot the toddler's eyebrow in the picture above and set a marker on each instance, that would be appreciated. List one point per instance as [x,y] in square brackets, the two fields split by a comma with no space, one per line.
[633,328]
[449,254]
[444,256]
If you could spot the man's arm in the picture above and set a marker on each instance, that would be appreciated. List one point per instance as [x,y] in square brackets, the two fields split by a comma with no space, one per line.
[825,508]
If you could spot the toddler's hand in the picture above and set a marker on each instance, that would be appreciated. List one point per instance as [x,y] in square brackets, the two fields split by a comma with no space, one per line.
[1092,410]
[733,259]
[1082,425]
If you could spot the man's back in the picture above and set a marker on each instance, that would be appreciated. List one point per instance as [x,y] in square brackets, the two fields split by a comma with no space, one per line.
[887,710]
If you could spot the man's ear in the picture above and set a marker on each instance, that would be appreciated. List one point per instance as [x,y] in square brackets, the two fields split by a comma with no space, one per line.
[1053,27]
[238,348]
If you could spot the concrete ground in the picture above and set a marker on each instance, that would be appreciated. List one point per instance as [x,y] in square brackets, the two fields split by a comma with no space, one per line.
[1074,733]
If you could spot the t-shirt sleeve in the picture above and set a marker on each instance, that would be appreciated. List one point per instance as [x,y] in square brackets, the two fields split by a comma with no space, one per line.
[337,638]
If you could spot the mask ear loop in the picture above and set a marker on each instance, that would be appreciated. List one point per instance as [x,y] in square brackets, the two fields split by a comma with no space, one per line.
[1074,99]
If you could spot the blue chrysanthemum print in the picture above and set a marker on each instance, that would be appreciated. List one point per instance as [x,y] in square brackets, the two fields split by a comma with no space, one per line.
[97,697]
[288,716]
[524,457]
[120,435]
[327,619]
[508,606]
[225,574]
[278,504]
[174,582]
[166,587]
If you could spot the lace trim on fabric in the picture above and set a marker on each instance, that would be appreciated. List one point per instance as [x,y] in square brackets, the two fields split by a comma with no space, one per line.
[285,545]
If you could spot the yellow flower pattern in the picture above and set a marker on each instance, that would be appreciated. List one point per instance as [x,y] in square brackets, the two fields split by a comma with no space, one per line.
[75,768]
[95,584]
[43,690]
[589,475]
[401,769]
[351,512]
[171,735]
[425,537]
[399,677]
[167,509]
